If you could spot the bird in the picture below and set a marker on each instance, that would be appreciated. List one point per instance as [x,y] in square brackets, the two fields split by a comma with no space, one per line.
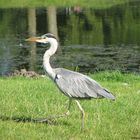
[72,84]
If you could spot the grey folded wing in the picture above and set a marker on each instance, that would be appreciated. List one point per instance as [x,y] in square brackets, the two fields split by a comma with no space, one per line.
[77,85]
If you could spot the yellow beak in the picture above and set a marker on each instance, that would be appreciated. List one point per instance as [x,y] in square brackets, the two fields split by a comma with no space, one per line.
[33,39]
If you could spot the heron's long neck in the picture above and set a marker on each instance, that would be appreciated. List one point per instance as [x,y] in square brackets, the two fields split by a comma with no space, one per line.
[46,58]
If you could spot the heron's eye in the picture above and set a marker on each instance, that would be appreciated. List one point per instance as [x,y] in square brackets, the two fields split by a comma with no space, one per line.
[43,37]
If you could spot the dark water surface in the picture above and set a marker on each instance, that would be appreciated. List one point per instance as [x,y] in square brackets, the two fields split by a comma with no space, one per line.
[90,40]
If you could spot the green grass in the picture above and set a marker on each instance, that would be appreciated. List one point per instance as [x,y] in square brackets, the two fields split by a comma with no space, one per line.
[43,3]
[26,98]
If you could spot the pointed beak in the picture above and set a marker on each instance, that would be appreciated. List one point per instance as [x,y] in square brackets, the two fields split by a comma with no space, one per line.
[33,39]
[37,39]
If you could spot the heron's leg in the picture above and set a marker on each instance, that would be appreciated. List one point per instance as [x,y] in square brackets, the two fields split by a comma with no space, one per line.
[82,112]
[49,118]
[68,112]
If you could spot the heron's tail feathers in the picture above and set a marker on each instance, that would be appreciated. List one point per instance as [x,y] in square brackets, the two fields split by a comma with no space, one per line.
[105,93]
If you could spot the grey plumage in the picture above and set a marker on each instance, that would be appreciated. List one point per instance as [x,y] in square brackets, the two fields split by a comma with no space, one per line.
[77,85]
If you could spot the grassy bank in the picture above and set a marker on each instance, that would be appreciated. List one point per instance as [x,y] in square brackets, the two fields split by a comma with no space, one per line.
[22,99]
[42,3]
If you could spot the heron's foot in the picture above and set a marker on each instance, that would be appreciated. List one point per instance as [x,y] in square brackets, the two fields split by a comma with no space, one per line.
[52,118]
[44,120]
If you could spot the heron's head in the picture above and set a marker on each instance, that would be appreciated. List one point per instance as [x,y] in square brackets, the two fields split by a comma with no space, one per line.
[46,38]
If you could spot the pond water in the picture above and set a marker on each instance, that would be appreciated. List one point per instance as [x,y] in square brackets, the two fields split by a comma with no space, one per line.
[90,40]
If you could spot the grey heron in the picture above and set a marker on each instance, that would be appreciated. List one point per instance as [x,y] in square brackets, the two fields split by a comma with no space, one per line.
[72,84]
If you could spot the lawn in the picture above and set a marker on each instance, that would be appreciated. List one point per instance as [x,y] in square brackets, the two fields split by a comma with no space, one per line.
[23,99]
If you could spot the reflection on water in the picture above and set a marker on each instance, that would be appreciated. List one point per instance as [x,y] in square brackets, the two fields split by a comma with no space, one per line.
[91,40]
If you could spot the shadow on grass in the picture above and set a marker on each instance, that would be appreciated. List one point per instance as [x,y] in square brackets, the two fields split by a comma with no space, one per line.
[49,120]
